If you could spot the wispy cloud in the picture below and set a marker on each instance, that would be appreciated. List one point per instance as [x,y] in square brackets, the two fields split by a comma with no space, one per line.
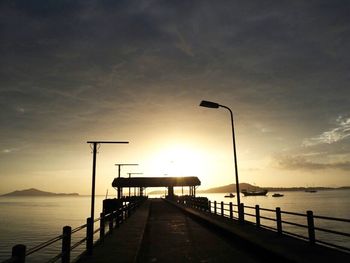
[301,163]
[340,132]
[9,150]
[183,45]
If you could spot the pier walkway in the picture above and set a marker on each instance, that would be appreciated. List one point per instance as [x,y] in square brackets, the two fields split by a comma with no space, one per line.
[159,231]
[172,236]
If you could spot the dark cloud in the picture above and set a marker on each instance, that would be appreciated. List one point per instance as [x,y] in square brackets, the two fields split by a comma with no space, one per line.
[66,63]
[300,163]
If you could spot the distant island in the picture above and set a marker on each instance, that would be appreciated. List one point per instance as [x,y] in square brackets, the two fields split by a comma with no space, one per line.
[231,188]
[36,192]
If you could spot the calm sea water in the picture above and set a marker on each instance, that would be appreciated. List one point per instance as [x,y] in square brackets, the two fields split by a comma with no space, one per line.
[33,220]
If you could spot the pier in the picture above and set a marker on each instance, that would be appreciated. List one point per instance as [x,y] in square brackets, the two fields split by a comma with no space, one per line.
[190,229]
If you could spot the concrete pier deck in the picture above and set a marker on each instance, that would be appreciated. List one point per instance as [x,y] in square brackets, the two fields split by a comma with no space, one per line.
[161,231]
[124,243]
[172,236]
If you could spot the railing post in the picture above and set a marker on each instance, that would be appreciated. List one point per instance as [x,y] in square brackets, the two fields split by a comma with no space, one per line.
[215,207]
[279,220]
[89,235]
[117,217]
[102,226]
[110,222]
[311,226]
[222,208]
[66,241]
[231,211]
[19,253]
[241,213]
[129,209]
[209,206]
[257,215]
[124,213]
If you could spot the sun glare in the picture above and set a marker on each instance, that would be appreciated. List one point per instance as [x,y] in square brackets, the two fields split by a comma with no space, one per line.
[176,160]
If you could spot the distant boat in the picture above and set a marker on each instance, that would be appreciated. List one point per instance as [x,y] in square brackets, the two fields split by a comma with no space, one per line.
[230,195]
[310,190]
[277,195]
[254,192]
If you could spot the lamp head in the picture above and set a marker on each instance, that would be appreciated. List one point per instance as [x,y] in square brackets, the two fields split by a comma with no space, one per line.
[209,104]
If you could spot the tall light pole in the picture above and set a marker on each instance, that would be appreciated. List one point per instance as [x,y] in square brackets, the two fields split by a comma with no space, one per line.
[214,105]
[94,147]
[130,177]
[119,190]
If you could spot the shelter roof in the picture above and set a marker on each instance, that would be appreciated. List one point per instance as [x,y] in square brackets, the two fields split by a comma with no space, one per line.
[156,181]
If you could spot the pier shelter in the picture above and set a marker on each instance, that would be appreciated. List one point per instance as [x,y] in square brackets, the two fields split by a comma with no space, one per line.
[145,182]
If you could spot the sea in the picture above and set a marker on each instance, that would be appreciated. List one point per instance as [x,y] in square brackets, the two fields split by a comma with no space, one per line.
[34,220]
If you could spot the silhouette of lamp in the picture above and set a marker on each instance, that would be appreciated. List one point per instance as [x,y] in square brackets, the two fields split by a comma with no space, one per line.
[119,190]
[94,145]
[214,105]
[130,177]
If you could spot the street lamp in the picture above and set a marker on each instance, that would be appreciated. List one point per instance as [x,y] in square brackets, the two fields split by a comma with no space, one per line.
[119,190]
[129,186]
[95,145]
[214,105]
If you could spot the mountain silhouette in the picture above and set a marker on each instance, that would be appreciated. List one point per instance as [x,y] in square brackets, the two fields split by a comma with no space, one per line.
[36,192]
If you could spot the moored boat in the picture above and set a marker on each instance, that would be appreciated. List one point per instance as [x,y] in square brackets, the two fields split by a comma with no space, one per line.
[277,195]
[310,190]
[254,192]
[230,195]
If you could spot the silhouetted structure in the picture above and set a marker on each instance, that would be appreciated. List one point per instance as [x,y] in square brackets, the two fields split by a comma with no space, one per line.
[169,182]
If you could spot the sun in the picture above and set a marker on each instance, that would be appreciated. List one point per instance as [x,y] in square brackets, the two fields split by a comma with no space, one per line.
[176,160]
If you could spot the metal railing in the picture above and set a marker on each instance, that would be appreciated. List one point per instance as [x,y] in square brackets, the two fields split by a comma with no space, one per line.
[277,220]
[111,220]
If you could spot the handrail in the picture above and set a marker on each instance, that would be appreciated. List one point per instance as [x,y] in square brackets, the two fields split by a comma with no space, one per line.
[113,219]
[333,218]
[43,245]
[78,228]
[220,209]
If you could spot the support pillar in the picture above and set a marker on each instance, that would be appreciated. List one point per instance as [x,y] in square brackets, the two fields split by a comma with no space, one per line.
[171,191]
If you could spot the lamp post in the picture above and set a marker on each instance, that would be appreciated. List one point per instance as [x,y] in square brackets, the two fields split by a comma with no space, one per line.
[214,105]
[94,151]
[129,186]
[119,190]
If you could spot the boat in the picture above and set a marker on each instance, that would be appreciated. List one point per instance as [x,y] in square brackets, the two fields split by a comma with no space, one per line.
[254,192]
[230,195]
[277,195]
[310,190]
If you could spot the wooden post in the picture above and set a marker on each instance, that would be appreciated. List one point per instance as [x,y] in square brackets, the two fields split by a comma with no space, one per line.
[209,206]
[279,220]
[124,213]
[102,226]
[89,235]
[222,208]
[241,213]
[215,207]
[129,209]
[117,217]
[257,215]
[231,210]
[311,227]
[110,221]
[66,241]
[19,253]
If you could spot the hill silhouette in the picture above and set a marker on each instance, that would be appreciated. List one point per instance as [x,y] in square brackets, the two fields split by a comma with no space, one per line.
[36,192]
[230,188]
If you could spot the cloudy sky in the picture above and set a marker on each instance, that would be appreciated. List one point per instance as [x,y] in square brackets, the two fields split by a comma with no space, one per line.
[78,70]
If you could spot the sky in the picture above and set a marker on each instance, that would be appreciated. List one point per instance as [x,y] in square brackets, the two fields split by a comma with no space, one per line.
[79,70]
